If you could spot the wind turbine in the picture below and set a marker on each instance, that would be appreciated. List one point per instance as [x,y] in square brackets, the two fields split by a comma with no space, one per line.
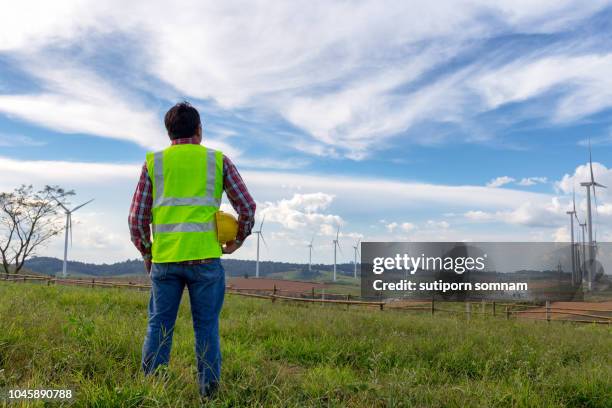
[310,254]
[590,184]
[356,249]
[583,229]
[68,231]
[572,215]
[259,235]
[336,247]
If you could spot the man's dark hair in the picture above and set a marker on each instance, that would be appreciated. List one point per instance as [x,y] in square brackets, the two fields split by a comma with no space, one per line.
[182,120]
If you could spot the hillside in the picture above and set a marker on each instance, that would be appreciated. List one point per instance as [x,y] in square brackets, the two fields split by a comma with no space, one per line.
[233,267]
[285,355]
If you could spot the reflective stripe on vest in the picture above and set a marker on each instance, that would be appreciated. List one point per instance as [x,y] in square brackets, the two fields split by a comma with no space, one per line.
[184,227]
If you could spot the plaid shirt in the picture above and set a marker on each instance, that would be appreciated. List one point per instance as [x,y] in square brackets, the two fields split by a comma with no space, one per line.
[140,216]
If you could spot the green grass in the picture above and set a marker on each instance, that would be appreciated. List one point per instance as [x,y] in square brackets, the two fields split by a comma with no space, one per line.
[294,355]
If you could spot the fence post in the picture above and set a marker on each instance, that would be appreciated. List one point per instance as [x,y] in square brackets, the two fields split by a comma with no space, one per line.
[468,310]
[382,305]
[48,280]
[313,294]
[274,294]
[433,308]
[507,313]
[484,308]
[548,310]
[493,308]
[348,299]
[93,282]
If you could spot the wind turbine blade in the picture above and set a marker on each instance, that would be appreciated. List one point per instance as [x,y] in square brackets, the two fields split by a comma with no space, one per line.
[595,201]
[337,232]
[264,241]
[591,162]
[312,239]
[599,185]
[262,221]
[574,199]
[61,205]
[82,205]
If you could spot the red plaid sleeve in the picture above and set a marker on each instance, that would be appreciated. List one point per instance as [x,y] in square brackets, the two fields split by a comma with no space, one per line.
[239,197]
[139,219]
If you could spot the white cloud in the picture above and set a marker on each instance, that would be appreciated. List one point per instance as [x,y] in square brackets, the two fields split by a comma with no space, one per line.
[76,100]
[587,87]
[391,227]
[302,211]
[13,140]
[526,181]
[408,226]
[346,73]
[582,173]
[531,214]
[438,224]
[605,209]
[500,181]
[561,234]
[531,181]
[478,215]
[15,172]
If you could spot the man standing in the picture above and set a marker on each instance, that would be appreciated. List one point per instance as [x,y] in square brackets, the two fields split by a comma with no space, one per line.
[178,194]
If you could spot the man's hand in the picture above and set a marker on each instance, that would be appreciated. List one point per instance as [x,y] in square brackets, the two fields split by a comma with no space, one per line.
[231,246]
[147,265]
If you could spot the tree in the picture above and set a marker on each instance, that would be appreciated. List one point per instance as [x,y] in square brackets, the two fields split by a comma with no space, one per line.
[28,219]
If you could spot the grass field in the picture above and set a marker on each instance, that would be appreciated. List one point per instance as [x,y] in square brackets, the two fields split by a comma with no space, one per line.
[293,355]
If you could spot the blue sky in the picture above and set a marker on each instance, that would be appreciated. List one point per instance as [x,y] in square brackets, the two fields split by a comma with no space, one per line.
[396,120]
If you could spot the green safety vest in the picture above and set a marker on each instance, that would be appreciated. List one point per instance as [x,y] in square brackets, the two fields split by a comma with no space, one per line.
[187,187]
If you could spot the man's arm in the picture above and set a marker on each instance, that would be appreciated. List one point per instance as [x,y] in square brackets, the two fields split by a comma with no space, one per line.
[140,216]
[240,199]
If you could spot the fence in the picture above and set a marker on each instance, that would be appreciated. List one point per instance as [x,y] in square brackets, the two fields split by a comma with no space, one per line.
[469,309]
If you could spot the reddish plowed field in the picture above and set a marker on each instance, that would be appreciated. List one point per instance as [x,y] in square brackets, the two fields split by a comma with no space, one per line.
[264,284]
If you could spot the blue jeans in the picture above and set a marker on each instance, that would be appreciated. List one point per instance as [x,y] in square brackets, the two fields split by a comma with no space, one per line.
[206,285]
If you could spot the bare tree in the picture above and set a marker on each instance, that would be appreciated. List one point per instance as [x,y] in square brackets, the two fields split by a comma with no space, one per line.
[28,219]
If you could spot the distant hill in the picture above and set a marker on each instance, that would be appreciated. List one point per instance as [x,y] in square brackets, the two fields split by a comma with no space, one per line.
[233,267]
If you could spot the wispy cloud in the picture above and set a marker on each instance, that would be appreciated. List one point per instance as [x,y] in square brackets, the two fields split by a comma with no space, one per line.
[500,181]
[15,140]
[531,181]
[350,76]
[76,100]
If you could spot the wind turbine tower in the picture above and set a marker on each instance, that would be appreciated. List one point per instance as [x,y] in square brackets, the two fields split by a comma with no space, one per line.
[259,235]
[591,250]
[310,254]
[356,250]
[583,230]
[336,248]
[68,231]
[572,215]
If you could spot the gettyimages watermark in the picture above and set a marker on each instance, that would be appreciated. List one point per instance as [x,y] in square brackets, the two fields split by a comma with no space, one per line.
[518,271]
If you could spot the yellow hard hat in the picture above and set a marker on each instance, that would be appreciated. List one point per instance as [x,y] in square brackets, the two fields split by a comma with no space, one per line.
[227,227]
